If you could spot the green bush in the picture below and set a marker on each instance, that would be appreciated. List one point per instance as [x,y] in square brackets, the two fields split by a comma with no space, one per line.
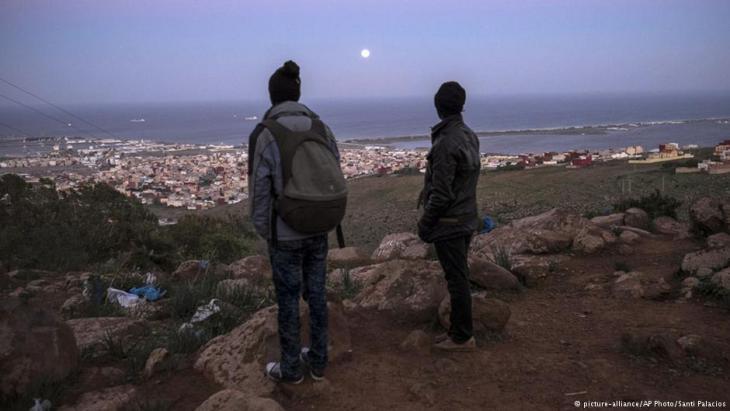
[655,204]
[97,226]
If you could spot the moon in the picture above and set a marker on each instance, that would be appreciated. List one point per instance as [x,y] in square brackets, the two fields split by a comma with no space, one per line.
[365,53]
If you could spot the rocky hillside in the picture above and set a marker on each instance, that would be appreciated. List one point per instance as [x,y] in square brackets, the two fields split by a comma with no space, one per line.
[619,307]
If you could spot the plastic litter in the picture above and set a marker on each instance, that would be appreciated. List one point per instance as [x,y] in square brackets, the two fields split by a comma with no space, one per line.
[488,224]
[122,298]
[201,314]
[148,292]
[150,279]
[39,405]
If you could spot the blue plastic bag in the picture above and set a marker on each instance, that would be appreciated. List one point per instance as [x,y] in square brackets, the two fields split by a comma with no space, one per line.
[148,292]
[487,225]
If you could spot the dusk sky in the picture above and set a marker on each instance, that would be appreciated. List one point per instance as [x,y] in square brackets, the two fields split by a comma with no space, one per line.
[146,51]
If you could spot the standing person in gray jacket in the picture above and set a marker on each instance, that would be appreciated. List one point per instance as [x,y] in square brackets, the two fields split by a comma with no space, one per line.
[297,194]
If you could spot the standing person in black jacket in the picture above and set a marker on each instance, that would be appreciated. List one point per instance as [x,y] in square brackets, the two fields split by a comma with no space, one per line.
[450,209]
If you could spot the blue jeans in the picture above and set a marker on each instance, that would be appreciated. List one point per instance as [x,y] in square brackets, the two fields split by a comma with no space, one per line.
[293,263]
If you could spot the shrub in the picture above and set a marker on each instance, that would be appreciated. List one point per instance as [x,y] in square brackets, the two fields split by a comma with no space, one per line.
[503,258]
[655,204]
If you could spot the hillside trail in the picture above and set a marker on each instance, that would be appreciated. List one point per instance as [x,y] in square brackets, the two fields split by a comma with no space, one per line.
[561,345]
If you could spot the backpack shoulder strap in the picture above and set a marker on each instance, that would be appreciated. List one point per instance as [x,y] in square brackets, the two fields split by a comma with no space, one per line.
[252,138]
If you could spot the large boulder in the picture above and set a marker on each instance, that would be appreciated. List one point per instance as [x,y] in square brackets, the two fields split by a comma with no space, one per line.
[719,240]
[721,279]
[362,276]
[347,257]
[546,233]
[554,231]
[110,399]
[636,217]
[491,276]
[405,246]
[35,345]
[93,334]
[255,268]
[706,260]
[629,237]
[669,226]
[488,314]
[530,269]
[639,285]
[233,400]
[236,360]
[409,290]
[592,239]
[707,215]
[608,221]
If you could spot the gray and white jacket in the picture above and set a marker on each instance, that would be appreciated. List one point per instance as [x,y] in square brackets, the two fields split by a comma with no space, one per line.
[265,183]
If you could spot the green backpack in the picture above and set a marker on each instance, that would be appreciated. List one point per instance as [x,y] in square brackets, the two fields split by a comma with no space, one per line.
[314,198]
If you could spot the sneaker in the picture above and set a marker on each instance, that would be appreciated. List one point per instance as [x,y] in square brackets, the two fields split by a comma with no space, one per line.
[317,375]
[273,371]
[450,345]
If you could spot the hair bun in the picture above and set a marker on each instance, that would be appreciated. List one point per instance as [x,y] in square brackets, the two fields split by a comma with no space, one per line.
[290,69]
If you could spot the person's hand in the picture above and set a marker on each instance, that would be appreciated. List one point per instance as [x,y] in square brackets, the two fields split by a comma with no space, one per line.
[425,230]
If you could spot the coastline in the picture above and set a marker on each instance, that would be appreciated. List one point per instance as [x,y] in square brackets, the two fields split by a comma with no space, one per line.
[590,129]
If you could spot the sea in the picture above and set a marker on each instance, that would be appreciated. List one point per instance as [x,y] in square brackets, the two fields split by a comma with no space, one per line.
[512,124]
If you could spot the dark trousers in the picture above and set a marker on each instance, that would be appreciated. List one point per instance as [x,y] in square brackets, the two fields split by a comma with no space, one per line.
[452,255]
[293,263]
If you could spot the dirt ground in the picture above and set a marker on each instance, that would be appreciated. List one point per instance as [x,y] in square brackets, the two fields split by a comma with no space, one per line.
[561,345]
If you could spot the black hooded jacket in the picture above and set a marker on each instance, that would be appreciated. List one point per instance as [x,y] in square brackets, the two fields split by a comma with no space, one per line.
[449,193]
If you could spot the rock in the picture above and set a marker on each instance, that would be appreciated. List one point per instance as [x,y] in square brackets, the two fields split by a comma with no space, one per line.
[236,360]
[719,240]
[636,217]
[255,268]
[707,216]
[490,276]
[35,345]
[190,270]
[232,400]
[704,260]
[488,314]
[546,233]
[704,272]
[653,344]
[400,245]
[92,333]
[110,399]
[226,287]
[151,310]
[690,343]
[423,392]
[639,285]
[531,268]
[347,257]
[638,231]
[625,249]
[407,290]
[608,221]
[416,341]
[629,237]
[74,306]
[669,226]
[155,362]
[592,239]
[722,279]
[690,282]
[363,276]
